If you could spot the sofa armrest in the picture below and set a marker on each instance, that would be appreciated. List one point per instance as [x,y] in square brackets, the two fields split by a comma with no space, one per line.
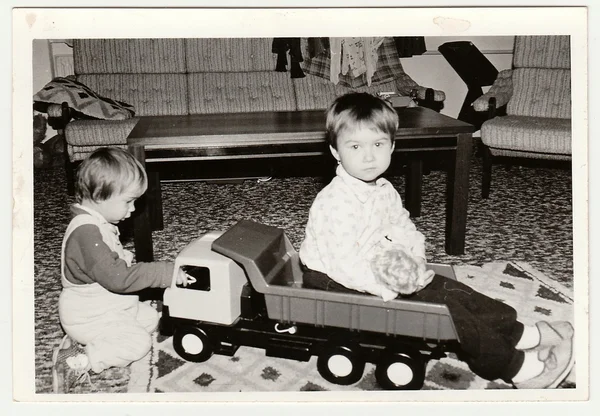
[423,96]
[408,87]
[428,94]
[429,98]
[501,92]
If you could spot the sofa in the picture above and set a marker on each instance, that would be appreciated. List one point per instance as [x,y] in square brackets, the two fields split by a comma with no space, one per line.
[535,95]
[198,76]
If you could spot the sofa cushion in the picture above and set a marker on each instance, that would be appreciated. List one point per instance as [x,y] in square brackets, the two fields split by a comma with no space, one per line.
[315,93]
[542,52]
[151,94]
[230,55]
[233,92]
[128,56]
[551,136]
[84,136]
[539,92]
[79,153]
[529,154]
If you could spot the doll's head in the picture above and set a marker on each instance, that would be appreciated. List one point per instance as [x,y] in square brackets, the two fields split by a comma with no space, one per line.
[398,271]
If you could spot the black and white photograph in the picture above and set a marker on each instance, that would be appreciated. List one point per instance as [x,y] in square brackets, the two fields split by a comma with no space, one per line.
[246,204]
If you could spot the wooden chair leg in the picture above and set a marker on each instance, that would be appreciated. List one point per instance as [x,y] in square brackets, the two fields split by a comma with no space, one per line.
[154,196]
[70,168]
[487,173]
[414,180]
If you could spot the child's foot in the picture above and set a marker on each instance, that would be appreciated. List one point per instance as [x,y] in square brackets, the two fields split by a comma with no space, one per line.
[69,365]
[554,333]
[558,362]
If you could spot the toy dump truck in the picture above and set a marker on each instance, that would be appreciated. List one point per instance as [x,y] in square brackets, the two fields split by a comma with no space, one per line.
[246,290]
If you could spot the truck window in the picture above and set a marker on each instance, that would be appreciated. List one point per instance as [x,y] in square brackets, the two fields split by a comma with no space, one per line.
[202,276]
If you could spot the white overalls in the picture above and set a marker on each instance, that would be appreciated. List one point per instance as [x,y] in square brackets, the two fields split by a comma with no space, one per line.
[114,328]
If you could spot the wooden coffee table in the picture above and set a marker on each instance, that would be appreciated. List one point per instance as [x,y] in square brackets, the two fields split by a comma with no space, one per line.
[294,134]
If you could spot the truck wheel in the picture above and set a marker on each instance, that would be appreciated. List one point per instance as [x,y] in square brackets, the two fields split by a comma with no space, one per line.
[341,364]
[397,370]
[193,344]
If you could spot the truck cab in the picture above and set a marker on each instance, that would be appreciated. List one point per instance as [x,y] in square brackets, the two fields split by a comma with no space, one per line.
[215,284]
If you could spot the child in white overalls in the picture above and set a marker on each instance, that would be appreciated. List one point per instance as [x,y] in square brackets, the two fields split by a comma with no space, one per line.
[105,325]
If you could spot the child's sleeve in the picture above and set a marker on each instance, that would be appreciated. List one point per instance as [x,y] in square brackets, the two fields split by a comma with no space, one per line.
[88,259]
[400,217]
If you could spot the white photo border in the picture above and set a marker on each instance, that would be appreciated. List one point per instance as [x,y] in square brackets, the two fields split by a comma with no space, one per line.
[29,24]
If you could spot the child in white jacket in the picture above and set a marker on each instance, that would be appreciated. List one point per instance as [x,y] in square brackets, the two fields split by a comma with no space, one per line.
[359,237]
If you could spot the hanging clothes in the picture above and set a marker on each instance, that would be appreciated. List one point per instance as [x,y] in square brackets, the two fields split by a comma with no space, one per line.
[353,57]
[281,46]
[317,46]
[371,56]
[358,56]
[335,54]
[409,46]
[386,68]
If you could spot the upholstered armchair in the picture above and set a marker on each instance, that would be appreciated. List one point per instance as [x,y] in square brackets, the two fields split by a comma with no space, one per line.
[536,94]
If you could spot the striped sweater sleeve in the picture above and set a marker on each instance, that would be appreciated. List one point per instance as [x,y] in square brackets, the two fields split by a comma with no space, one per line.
[88,259]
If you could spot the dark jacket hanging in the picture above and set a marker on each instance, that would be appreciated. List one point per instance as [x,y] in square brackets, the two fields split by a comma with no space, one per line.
[280,47]
[409,46]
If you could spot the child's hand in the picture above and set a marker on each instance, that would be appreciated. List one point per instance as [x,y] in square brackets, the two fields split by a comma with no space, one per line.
[425,279]
[425,276]
[182,278]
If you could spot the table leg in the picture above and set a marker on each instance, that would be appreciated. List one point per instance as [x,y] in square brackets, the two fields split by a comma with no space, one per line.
[414,181]
[458,195]
[154,200]
[142,233]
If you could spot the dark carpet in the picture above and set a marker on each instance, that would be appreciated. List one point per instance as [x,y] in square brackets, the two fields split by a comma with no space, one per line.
[528,218]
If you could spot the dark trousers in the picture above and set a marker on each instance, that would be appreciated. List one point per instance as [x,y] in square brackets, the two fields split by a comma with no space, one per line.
[488,329]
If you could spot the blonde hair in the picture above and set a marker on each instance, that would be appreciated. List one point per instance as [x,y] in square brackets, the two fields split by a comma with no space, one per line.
[106,172]
[356,110]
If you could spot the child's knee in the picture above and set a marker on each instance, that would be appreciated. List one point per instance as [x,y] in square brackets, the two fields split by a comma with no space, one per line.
[140,347]
[145,343]
[151,323]
[119,349]
[148,317]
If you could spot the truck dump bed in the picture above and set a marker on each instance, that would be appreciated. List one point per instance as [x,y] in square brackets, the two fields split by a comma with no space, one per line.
[273,268]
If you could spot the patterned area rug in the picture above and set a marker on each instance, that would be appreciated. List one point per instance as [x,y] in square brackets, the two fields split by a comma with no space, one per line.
[532,294]
[528,218]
